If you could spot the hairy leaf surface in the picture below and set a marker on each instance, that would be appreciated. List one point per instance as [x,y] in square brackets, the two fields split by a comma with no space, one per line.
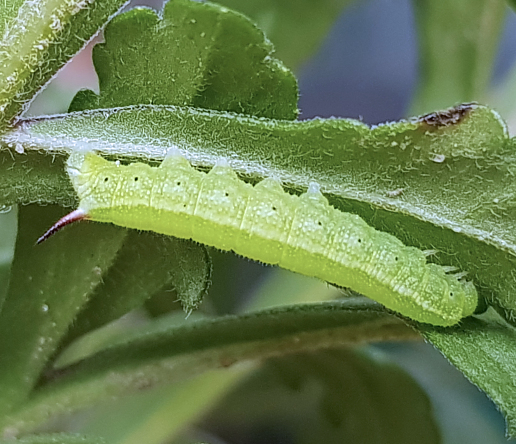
[39,40]
[162,353]
[199,67]
[48,286]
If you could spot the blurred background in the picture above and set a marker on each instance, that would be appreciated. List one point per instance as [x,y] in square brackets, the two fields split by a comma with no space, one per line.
[365,67]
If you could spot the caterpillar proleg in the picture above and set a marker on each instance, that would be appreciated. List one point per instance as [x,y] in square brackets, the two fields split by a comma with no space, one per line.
[304,233]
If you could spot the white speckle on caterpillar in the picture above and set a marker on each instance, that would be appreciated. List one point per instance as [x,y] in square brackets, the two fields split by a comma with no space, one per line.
[314,188]
[302,233]
[173,151]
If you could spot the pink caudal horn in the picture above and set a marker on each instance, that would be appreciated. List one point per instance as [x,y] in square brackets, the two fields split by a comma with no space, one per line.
[74,216]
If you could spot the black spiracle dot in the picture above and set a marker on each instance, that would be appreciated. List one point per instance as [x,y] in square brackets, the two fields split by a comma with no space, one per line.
[227,194]
[396,258]
[178,184]
[136,179]
[319,223]
[106,179]
[451,293]
[359,241]
[274,208]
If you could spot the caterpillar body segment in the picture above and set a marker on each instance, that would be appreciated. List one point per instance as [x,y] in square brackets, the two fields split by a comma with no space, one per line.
[304,233]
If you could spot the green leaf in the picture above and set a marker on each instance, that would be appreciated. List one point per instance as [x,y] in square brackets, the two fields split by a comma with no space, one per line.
[160,354]
[57,438]
[330,396]
[295,27]
[27,178]
[144,265]
[36,43]
[458,40]
[8,227]
[198,67]
[157,416]
[8,12]
[484,350]
[49,284]
[441,182]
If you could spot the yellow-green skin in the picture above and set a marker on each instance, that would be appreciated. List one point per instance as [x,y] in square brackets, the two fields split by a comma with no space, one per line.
[300,233]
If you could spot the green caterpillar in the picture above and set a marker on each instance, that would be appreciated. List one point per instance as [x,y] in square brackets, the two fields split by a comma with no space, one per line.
[300,233]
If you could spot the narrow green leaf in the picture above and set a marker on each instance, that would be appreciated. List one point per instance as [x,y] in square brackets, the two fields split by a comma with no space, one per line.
[484,350]
[144,265]
[145,358]
[187,57]
[442,182]
[57,438]
[39,41]
[295,27]
[458,40]
[8,227]
[157,416]
[331,396]
[49,284]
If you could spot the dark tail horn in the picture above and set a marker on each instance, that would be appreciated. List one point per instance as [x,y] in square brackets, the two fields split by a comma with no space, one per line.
[74,216]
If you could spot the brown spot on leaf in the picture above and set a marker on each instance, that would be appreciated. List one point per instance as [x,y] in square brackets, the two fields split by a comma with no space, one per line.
[448,117]
[226,361]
